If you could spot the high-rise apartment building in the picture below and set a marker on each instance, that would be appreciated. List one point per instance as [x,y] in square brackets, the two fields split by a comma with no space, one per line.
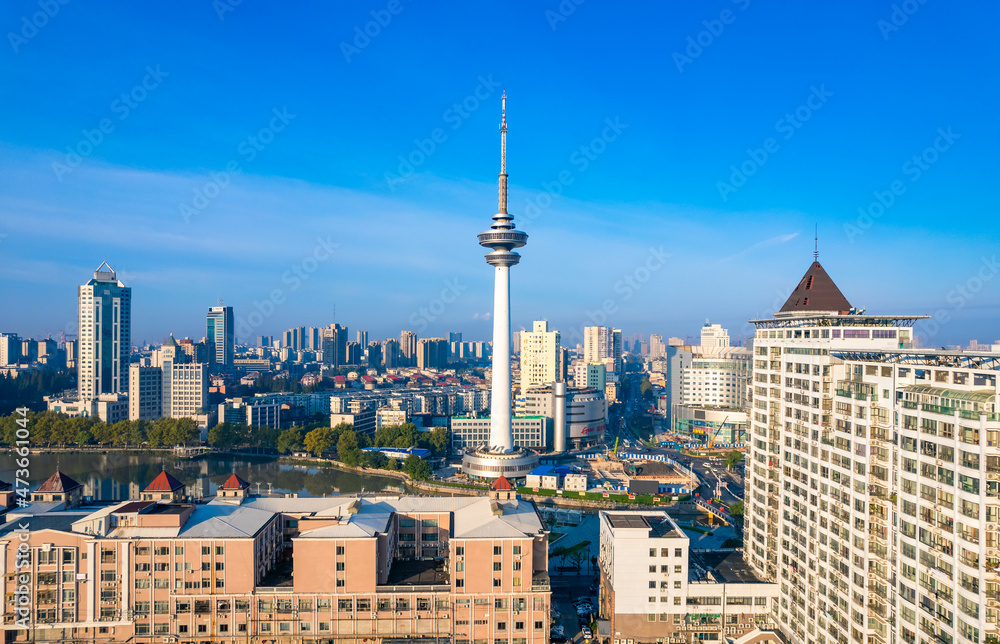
[408,348]
[540,356]
[362,338]
[657,347]
[714,338]
[104,322]
[221,338]
[334,343]
[145,387]
[432,353]
[603,345]
[10,349]
[390,353]
[873,476]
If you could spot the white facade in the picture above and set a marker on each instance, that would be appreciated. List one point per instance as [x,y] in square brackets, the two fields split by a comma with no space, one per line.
[714,338]
[873,481]
[709,381]
[653,586]
[540,355]
[145,386]
[575,482]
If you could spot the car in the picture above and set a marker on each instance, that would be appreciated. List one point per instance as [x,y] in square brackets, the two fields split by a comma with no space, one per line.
[587,634]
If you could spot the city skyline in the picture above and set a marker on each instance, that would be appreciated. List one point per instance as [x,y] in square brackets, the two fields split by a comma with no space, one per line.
[863,115]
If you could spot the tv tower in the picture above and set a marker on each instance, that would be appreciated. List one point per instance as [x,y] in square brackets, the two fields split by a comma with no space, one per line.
[502,238]
[500,457]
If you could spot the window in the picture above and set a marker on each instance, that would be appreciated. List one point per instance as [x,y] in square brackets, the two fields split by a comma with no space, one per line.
[340,565]
[652,552]
[497,565]
[345,605]
[142,583]
[677,552]
[517,550]
[161,551]
[496,582]
[459,583]
[652,568]
[539,625]
[501,626]
[517,565]
[497,550]
[459,566]
[206,550]
[459,550]
[340,583]
[652,584]
[219,550]
[340,550]
[178,550]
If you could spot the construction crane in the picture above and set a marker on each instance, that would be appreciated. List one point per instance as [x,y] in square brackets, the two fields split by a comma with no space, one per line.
[717,432]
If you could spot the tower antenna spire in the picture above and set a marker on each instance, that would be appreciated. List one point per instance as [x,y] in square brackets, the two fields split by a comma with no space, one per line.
[816,245]
[502,209]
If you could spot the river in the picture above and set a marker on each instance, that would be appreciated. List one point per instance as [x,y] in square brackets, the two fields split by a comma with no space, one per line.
[117,476]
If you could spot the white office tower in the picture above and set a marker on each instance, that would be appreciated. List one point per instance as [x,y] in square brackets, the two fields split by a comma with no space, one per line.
[873,476]
[540,356]
[104,321]
[500,458]
[714,339]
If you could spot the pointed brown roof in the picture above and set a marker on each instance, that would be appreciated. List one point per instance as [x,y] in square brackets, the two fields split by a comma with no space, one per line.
[816,292]
[501,484]
[164,482]
[58,482]
[234,482]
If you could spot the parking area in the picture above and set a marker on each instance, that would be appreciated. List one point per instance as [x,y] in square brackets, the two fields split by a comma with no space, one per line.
[565,600]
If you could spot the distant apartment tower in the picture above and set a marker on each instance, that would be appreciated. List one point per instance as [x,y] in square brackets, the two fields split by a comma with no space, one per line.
[334,342]
[603,344]
[362,338]
[432,353]
[221,338]
[657,347]
[408,348]
[145,386]
[540,356]
[390,353]
[104,321]
[10,349]
[373,354]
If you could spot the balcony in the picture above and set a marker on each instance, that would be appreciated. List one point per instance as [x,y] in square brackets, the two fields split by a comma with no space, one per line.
[540,582]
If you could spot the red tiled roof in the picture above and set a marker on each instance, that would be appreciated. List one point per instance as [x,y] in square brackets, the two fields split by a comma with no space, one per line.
[58,482]
[816,292]
[235,483]
[502,484]
[164,482]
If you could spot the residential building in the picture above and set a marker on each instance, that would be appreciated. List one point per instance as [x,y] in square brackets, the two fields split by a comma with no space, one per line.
[540,356]
[10,349]
[408,348]
[104,322]
[655,588]
[589,375]
[432,353]
[390,354]
[145,400]
[244,568]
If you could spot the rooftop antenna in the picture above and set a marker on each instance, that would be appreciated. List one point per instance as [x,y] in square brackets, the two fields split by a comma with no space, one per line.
[816,245]
[220,300]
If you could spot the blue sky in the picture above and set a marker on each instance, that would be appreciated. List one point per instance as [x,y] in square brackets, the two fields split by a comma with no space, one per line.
[668,160]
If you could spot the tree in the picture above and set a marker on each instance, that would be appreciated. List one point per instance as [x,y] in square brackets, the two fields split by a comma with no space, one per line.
[320,440]
[732,543]
[417,468]
[439,441]
[736,509]
[733,458]
[374,459]
[291,440]
[579,553]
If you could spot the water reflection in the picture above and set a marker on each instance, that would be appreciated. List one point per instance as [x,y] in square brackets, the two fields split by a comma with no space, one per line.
[116,476]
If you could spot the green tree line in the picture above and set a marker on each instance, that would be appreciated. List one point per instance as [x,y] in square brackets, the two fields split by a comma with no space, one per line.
[51,429]
[27,389]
